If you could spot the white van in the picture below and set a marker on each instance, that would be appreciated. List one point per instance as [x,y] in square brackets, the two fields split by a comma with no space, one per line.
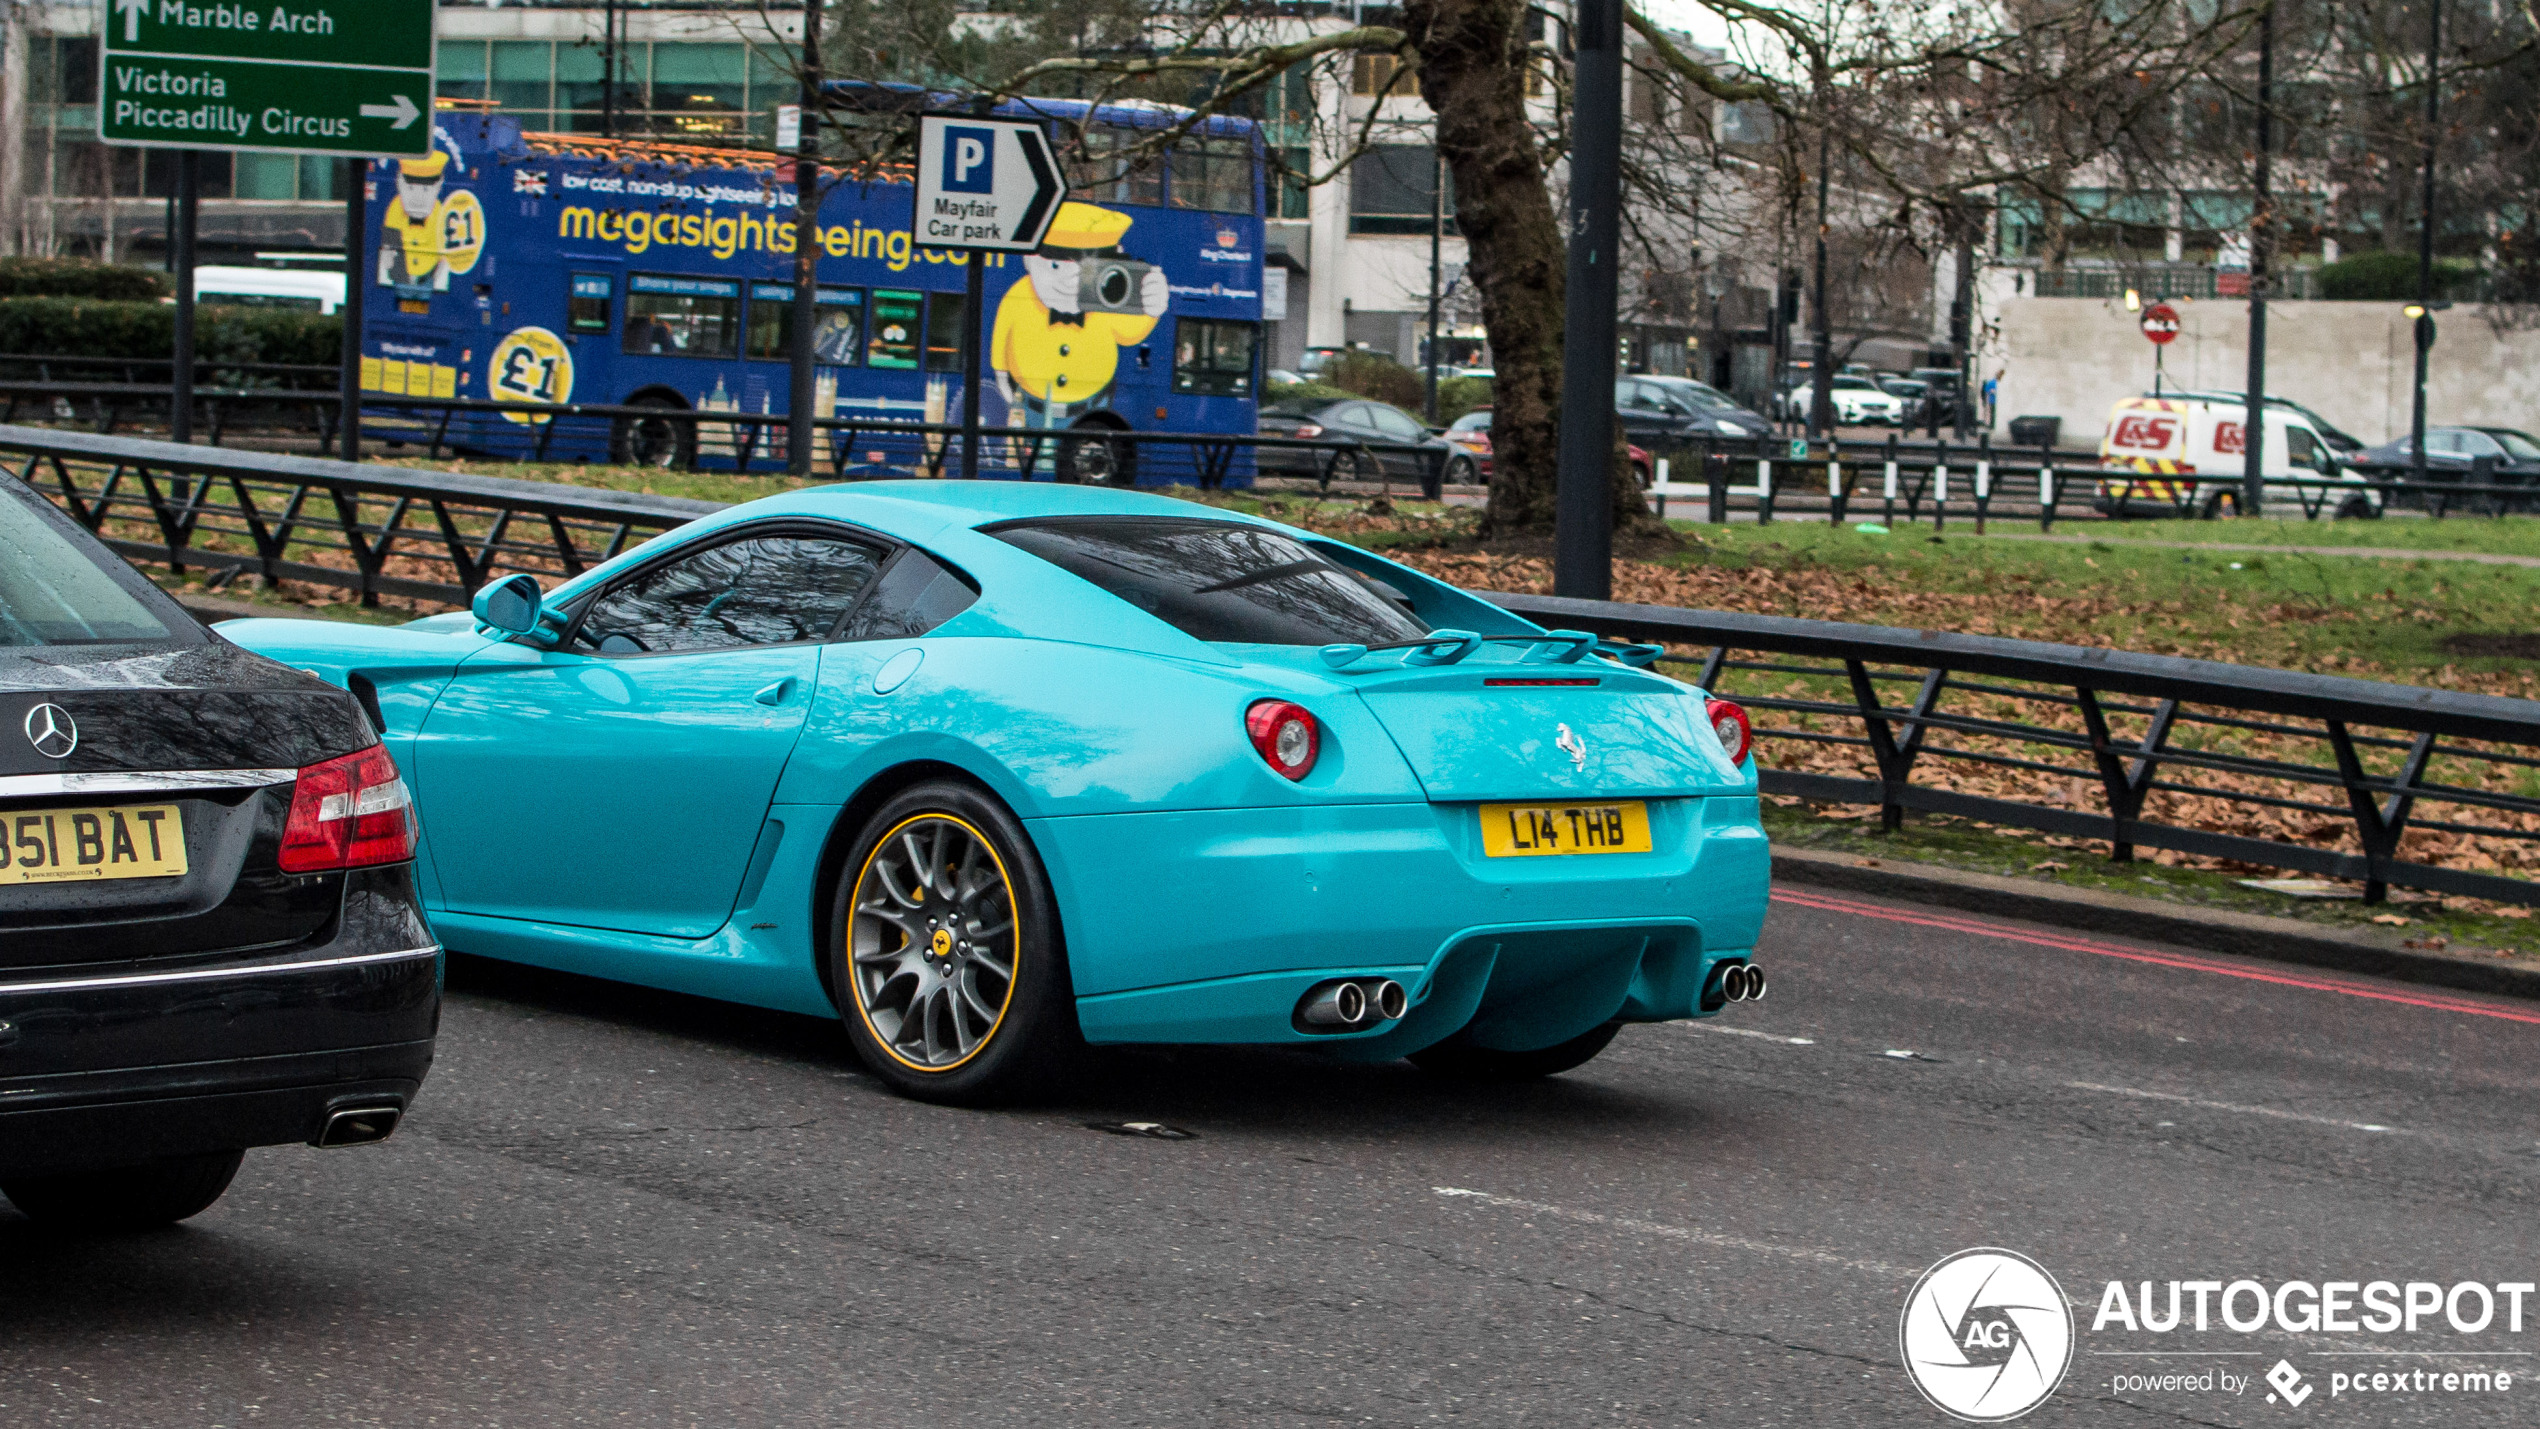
[2201,439]
[316,292]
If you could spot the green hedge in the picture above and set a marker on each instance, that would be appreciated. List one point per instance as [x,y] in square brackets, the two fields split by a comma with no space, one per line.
[2390,276]
[76,327]
[77,278]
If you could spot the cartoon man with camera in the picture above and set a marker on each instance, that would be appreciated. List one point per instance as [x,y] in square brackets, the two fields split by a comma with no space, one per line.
[1057,340]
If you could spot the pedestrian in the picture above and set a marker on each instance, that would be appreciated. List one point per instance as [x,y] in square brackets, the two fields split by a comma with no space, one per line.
[1992,389]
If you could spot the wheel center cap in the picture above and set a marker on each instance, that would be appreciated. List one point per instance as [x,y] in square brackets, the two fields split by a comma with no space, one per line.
[942,942]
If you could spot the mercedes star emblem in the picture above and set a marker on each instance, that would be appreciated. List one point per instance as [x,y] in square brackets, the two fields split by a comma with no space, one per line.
[52,731]
[1570,744]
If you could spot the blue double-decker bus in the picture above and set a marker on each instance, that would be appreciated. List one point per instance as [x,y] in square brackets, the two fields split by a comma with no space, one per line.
[553,268]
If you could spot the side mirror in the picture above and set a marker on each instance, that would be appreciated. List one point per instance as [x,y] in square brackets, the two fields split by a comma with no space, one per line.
[509,605]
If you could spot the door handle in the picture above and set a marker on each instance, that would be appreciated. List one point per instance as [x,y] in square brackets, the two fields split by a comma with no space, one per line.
[775,694]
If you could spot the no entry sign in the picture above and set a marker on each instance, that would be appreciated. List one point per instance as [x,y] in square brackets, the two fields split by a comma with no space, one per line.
[2160,323]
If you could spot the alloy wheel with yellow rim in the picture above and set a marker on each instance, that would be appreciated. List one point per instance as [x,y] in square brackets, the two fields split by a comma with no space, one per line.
[932,942]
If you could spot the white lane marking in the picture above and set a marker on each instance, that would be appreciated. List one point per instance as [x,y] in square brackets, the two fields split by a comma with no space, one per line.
[2142,1095]
[1682,1233]
[1751,1032]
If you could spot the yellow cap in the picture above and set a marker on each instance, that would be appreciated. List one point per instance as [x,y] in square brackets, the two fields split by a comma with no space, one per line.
[1081,225]
[427,167]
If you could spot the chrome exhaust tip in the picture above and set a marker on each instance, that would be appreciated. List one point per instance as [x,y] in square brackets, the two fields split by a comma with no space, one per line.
[1390,1000]
[360,1125]
[1754,983]
[1334,1004]
[1733,983]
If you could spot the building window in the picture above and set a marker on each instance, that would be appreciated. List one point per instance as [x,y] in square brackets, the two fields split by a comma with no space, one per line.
[701,90]
[1391,189]
[1212,358]
[1373,75]
[1296,165]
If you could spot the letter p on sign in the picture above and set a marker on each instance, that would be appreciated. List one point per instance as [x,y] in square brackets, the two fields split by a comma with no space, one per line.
[970,160]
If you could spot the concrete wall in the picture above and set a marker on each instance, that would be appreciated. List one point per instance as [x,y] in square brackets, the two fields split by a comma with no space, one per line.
[2352,363]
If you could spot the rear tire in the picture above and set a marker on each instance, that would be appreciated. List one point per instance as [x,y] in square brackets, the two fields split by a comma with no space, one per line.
[2358,508]
[654,441]
[127,1198]
[945,955]
[1461,1061]
[1093,461]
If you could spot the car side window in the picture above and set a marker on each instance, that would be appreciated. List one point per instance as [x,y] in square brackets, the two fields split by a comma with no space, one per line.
[2443,443]
[758,590]
[2298,447]
[1394,424]
[915,595]
[2478,444]
[1350,414]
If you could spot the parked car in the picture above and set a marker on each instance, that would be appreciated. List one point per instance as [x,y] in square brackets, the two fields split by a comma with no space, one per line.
[210,939]
[987,770]
[1348,432]
[2452,454]
[1282,377]
[1673,410]
[1858,401]
[1472,432]
[2186,456]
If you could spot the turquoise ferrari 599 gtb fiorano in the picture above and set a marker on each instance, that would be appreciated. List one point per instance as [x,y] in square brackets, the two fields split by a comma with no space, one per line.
[991,770]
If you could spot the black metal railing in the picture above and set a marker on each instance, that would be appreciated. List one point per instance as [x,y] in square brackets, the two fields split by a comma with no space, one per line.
[1897,479]
[2270,768]
[2318,774]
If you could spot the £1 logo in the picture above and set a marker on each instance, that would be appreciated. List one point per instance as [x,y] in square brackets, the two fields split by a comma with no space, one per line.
[530,364]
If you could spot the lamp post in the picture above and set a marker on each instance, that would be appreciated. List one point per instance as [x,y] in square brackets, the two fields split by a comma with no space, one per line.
[2425,246]
[1821,381]
[2253,483]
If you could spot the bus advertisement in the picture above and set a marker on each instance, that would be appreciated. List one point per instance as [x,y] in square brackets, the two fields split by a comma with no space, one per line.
[553,268]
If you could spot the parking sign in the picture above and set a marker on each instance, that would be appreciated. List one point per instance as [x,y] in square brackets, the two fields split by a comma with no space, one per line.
[985,183]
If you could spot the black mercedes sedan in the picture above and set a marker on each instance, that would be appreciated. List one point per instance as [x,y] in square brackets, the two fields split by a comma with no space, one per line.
[209,936]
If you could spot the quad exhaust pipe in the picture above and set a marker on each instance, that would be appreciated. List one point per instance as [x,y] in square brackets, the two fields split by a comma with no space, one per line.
[1350,1004]
[360,1125]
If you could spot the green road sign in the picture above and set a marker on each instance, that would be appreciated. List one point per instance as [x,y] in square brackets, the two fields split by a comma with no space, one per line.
[284,76]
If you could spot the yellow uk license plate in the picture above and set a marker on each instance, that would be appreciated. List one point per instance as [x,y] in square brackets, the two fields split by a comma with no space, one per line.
[69,845]
[1536,830]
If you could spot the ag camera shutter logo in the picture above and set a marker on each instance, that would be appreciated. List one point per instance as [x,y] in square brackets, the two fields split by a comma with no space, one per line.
[1986,1335]
[970,160]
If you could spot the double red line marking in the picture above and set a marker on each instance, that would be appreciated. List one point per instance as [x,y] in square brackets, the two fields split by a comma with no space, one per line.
[2067,942]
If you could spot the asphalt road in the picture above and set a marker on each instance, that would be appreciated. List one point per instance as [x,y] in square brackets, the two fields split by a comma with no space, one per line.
[621,1207]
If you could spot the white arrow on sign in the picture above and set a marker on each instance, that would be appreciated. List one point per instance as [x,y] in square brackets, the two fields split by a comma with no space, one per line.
[403,111]
[132,10]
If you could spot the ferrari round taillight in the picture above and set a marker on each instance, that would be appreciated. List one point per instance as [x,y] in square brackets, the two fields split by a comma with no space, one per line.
[1286,735]
[1730,724]
[349,812]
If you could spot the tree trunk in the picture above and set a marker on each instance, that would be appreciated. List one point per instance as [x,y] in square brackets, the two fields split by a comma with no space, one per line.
[1473,74]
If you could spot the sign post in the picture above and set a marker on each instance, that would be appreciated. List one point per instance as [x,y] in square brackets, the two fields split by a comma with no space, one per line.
[343,77]
[2160,324]
[988,186]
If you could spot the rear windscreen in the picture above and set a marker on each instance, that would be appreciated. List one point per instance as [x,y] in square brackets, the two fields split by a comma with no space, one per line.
[57,588]
[1216,580]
